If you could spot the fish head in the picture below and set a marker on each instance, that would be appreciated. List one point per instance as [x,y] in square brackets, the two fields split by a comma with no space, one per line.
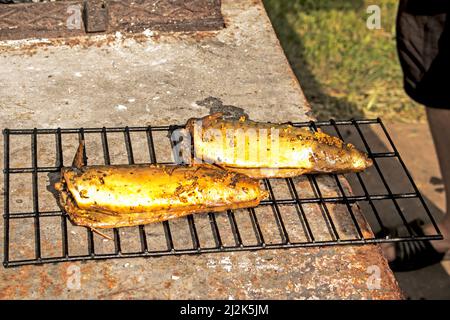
[345,158]
[358,160]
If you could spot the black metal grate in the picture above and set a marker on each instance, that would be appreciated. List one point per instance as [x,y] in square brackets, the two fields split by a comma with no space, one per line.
[231,233]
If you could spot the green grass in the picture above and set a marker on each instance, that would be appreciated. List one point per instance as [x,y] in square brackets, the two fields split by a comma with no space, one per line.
[345,69]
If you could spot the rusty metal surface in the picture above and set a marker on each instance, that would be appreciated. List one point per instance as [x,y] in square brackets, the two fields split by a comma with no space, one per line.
[316,273]
[96,15]
[41,20]
[74,18]
[168,79]
[177,15]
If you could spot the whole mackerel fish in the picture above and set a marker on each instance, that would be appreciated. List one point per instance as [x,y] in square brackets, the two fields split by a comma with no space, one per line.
[268,150]
[113,196]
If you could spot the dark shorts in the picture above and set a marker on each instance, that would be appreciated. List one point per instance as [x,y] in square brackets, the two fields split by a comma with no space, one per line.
[423,43]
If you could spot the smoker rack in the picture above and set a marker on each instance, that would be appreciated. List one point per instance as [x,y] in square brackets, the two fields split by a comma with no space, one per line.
[276,204]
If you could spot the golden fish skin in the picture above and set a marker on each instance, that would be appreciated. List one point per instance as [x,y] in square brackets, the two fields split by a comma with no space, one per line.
[130,195]
[266,150]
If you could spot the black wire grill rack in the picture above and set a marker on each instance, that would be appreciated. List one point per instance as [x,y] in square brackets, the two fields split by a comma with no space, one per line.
[300,212]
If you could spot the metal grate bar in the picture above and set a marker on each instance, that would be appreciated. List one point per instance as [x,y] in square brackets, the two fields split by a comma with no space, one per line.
[344,196]
[193,231]
[234,228]
[190,218]
[408,174]
[214,250]
[151,145]
[278,203]
[29,215]
[129,147]
[59,150]
[172,127]
[37,229]
[383,179]
[300,210]
[107,160]
[90,235]
[281,227]
[6,197]
[361,182]
[215,230]
[348,205]
[256,227]
[168,235]
[351,199]
[60,162]
[317,191]
[323,205]
[86,130]
[151,149]
[105,146]
[56,169]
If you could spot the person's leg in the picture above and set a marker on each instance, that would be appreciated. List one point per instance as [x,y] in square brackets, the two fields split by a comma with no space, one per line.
[439,122]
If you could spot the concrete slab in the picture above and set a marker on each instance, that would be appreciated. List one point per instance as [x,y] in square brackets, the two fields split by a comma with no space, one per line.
[159,79]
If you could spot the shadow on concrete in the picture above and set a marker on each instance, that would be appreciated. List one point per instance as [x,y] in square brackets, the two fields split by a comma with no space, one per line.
[429,283]
[289,38]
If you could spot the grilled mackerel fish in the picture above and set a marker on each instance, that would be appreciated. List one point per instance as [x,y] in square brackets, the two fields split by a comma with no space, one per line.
[129,195]
[267,150]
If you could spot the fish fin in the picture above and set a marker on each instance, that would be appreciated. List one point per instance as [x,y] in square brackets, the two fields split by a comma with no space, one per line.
[78,160]
[101,233]
[212,165]
[216,165]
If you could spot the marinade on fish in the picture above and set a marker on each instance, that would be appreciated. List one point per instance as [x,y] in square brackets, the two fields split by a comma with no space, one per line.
[128,195]
[264,150]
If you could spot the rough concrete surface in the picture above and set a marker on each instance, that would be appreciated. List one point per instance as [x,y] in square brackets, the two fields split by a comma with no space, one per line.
[159,79]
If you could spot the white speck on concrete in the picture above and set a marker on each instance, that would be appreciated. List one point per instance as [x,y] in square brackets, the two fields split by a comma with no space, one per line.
[148,33]
[22,42]
[118,35]
[158,62]
[121,107]
[195,105]
[78,74]
[226,263]
[152,47]
[262,264]
[211,264]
